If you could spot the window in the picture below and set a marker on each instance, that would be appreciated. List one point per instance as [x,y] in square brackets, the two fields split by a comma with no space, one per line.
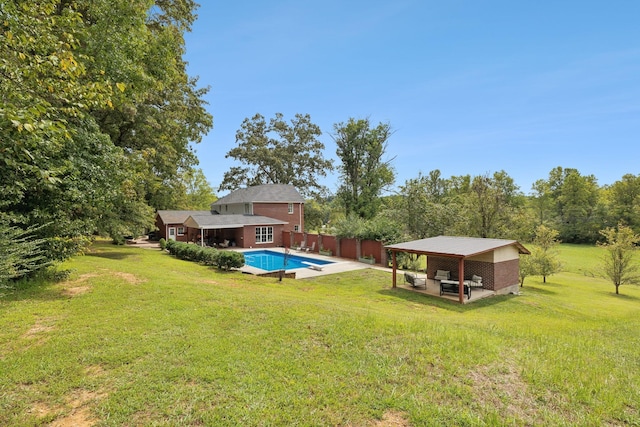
[247,209]
[290,208]
[296,227]
[180,231]
[264,234]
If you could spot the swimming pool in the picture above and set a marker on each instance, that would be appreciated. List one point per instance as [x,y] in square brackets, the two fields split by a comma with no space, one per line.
[274,261]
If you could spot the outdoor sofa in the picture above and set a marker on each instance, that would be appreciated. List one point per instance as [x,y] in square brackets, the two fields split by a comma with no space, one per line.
[449,285]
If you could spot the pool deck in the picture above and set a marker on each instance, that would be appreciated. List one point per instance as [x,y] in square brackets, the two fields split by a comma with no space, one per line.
[338,265]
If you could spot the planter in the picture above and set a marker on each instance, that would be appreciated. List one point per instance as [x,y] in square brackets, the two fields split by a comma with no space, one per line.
[367,260]
[325,253]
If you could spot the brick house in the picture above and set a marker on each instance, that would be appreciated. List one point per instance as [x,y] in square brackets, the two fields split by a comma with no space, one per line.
[248,217]
[170,224]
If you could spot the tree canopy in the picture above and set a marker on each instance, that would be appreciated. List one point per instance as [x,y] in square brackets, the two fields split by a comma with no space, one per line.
[364,173]
[97,114]
[278,153]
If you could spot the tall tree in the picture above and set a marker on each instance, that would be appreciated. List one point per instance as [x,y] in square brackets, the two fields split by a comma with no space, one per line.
[157,111]
[199,194]
[278,153]
[425,211]
[491,205]
[578,212]
[619,264]
[78,156]
[624,201]
[364,173]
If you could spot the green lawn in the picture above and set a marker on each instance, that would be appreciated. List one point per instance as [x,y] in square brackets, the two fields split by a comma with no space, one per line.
[135,337]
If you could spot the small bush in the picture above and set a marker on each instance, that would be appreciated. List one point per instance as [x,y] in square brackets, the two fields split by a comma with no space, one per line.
[230,259]
[163,243]
[209,257]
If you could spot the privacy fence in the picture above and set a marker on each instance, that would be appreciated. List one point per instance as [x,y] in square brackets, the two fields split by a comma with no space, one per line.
[325,244]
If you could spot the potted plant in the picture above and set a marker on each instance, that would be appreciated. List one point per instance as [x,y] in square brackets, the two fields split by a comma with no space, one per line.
[325,252]
[368,259]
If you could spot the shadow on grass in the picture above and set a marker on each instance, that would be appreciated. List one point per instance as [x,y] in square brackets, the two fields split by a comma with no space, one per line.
[621,295]
[445,304]
[111,255]
[538,290]
[31,290]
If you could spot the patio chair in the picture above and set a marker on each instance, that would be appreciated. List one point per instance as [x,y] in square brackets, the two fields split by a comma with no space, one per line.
[224,244]
[415,281]
[310,249]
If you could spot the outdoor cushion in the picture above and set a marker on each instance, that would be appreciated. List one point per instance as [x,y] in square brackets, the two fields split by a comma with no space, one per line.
[476,278]
[442,274]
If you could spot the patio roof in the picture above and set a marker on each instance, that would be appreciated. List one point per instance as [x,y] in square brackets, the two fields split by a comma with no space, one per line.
[453,246]
[216,222]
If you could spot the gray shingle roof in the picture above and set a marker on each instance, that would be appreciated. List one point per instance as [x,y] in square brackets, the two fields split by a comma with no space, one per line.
[266,193]
[455,246]
[210,221]
[178,217]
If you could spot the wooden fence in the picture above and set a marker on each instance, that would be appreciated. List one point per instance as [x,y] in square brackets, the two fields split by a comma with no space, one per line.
[355,249]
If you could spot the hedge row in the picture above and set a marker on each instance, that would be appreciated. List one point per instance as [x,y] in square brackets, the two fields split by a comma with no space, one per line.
[224,260]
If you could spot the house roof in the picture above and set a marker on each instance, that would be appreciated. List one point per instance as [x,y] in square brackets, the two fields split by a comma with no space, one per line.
[451,246]
[210,221]
[177,217]
[267,193]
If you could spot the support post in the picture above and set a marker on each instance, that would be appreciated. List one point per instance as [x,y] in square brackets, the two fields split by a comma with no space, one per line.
[393,262]
[461,280]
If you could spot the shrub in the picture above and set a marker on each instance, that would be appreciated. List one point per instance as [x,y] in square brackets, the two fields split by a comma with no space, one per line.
[163,243]
[209,256]
[227,260]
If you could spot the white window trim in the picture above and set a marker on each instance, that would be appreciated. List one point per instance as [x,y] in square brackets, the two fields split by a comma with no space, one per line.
[290,208]
[264,232]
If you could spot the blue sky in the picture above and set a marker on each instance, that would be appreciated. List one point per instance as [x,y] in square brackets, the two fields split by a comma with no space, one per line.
[470,87]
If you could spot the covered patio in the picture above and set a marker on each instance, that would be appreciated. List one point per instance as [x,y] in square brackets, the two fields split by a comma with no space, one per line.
[495,261]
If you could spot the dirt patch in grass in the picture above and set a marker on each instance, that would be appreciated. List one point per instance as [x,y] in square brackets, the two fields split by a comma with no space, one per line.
[392,419]
[128,277]
[80,403]
[38,334]
[502,388]
[94,371]
[76,290]
[77,287]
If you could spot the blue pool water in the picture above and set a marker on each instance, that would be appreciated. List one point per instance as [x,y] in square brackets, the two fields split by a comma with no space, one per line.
[273,261]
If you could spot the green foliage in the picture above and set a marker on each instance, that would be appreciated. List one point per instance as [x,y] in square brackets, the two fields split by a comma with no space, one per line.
[198,194]
[527,267]
[427,209]
[224,260]
[544,258]
[623,202]
[490,206]
[227,260]
[97,115]
[619,264]
[278,153]
[364,175]
[163,243]
[20,253]
[351,227]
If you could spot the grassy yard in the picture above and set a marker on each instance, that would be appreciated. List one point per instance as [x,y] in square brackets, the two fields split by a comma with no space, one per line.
[135,337]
